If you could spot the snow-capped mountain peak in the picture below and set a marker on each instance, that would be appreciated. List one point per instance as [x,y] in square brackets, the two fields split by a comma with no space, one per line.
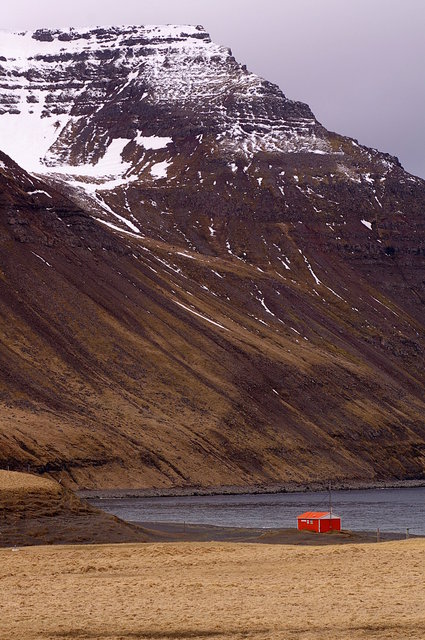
[57,84]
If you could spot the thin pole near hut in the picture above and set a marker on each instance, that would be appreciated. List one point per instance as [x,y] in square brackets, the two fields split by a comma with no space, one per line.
[330,503]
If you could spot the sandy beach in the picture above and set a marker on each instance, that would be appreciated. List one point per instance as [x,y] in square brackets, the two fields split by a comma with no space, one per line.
[214,590]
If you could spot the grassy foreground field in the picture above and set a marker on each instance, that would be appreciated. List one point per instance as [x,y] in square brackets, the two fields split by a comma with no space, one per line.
[212,590]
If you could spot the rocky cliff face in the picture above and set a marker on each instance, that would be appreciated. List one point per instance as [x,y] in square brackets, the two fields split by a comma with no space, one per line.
[201,284]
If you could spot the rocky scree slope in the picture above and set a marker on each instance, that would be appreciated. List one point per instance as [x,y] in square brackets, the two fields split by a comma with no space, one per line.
[200,284]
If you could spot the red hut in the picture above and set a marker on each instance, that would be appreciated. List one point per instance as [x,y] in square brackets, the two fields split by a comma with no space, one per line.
[319,521]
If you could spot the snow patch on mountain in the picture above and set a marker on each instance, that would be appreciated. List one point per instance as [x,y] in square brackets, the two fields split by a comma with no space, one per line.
[152,142]
[111,165]
[160,169]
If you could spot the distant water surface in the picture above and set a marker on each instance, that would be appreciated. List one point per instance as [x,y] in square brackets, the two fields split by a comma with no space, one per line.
[391,510]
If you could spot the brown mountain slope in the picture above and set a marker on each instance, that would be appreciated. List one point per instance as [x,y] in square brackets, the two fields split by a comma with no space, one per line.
[126,363]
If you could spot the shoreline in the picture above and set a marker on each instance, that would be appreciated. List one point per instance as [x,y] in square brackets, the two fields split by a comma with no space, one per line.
[187,532]
[310,487]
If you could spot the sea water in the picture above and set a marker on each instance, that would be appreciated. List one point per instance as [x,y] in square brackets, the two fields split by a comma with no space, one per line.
[392,510]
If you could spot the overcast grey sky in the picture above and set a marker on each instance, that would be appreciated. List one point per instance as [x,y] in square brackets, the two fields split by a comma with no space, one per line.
[360,64]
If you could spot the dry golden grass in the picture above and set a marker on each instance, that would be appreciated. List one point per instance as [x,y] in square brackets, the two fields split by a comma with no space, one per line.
[25,482]
[192,590]
[24,495]
[35,510]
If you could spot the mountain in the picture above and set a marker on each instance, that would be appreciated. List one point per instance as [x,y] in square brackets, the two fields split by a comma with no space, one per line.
[200,284]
